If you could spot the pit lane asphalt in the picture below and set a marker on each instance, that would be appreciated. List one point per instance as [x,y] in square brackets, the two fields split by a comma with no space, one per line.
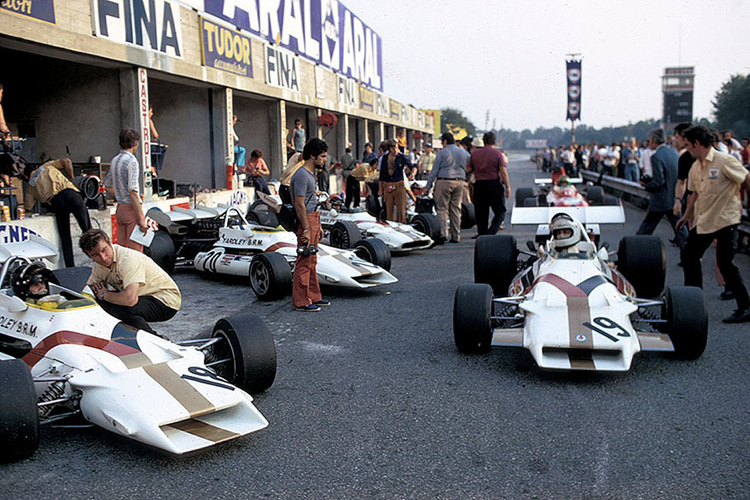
[372,400]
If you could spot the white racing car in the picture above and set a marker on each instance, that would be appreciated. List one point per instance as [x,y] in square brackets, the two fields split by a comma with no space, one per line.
[266,255]
[62,357]
[568,306]
[344,228]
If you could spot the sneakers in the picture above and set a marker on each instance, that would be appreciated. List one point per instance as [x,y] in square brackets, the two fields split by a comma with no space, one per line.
[322,303]
[308,308]
[739,316]
[727,295]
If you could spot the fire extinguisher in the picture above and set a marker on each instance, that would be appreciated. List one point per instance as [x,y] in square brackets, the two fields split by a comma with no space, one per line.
[230,177]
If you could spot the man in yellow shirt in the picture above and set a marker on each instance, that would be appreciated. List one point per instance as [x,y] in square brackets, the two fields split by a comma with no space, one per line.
[51,184]
[714,211]
[128,284]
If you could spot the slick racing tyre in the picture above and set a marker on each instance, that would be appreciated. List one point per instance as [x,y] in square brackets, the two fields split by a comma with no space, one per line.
[496,262]
[344,234]
[522,194]
[374,251]
[262,214]
[643,261]
[427,224]
[162,251]
[270,276]
[468,217]
[245,355]
[595,195]
[472,323]
[19,414]
[684,310]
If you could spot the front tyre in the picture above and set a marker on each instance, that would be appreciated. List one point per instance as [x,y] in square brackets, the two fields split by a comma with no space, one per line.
[472,323]
[427,224]
[643,261]
[270,276]
[684,309]
[162,251]
[374,251]
[19,414]
[345,234]
[496,261]
[468,216]
[245,353]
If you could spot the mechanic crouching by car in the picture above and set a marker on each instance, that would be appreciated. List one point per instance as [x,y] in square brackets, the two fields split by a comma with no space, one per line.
[306,295]
[128,284]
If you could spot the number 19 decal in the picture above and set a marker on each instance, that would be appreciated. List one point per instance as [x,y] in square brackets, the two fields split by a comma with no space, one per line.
[608,328]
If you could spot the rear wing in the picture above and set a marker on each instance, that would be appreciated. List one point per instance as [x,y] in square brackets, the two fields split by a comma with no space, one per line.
[614,214]
[34,248]
[571,180]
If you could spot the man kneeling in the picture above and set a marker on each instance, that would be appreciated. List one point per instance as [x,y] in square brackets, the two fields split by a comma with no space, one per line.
[128,284]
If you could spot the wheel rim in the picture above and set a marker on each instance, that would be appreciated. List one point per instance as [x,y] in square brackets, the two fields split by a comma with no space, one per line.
[222,351]
[260,278]
[338,238]
[365,254]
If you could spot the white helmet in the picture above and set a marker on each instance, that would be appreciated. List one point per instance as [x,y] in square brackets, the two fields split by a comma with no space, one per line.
[565,231]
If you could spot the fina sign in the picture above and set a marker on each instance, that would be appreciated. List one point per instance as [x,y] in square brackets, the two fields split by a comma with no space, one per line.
[282,69]
[323,31]
[148,24]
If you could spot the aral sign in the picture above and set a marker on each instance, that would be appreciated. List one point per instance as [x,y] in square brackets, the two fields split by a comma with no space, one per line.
[149,24]
[323,31]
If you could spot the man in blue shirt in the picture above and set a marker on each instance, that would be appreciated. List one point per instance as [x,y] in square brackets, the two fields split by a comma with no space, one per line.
[448,174]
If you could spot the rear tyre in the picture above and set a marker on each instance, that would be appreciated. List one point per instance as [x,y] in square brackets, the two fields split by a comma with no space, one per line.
[344,234]
[162,251]
[427,224]
[643,261]
[595,195]
[374,251]
[684,309]
[248,352]
[262,214]
[472,325]
[522,194]
[610,200]
[19,414]
[496,262]
[468,217]
[270,276]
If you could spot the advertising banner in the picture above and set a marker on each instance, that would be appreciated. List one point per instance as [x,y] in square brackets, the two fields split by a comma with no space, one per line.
[574,90]
[348,90]
[323,31]
[366,99]
[148,24]
[282,69]
[42,10]
[225,49]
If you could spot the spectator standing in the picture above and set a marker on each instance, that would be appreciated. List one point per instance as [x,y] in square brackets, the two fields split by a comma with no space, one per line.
[4,130]
[491,185]
[449,176]
[129,285]
[239,151]
[351,184]
[537,158]
[391,180]
[568,160]
[285,193]
[123,184]
[683,169]
[630,159]
[745,153]
[306,295]
[255,169]
[644,163]
[51,184]
[426,161]
[299,137]
[368,153]
[661,188]
[715,209]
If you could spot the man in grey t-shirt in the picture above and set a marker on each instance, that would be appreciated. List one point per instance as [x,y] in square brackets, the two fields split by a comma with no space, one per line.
[306,290]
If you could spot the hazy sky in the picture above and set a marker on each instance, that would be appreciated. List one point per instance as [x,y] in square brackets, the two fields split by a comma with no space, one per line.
[508,56]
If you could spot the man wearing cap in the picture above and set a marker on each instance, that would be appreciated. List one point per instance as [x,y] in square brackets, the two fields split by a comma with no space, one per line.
[51,184]
[448,174]
[491,185]
[426,161]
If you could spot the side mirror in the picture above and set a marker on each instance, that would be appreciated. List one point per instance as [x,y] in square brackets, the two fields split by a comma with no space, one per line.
[605,245]
[530,245]
[603,254]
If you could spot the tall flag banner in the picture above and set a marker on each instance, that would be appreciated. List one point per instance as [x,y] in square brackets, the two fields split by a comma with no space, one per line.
[574,90]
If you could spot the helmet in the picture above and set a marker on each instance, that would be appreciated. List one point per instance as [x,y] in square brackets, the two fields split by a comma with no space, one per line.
[568,192]
[336,202]
[30,274]
[565,231]
[564,181]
